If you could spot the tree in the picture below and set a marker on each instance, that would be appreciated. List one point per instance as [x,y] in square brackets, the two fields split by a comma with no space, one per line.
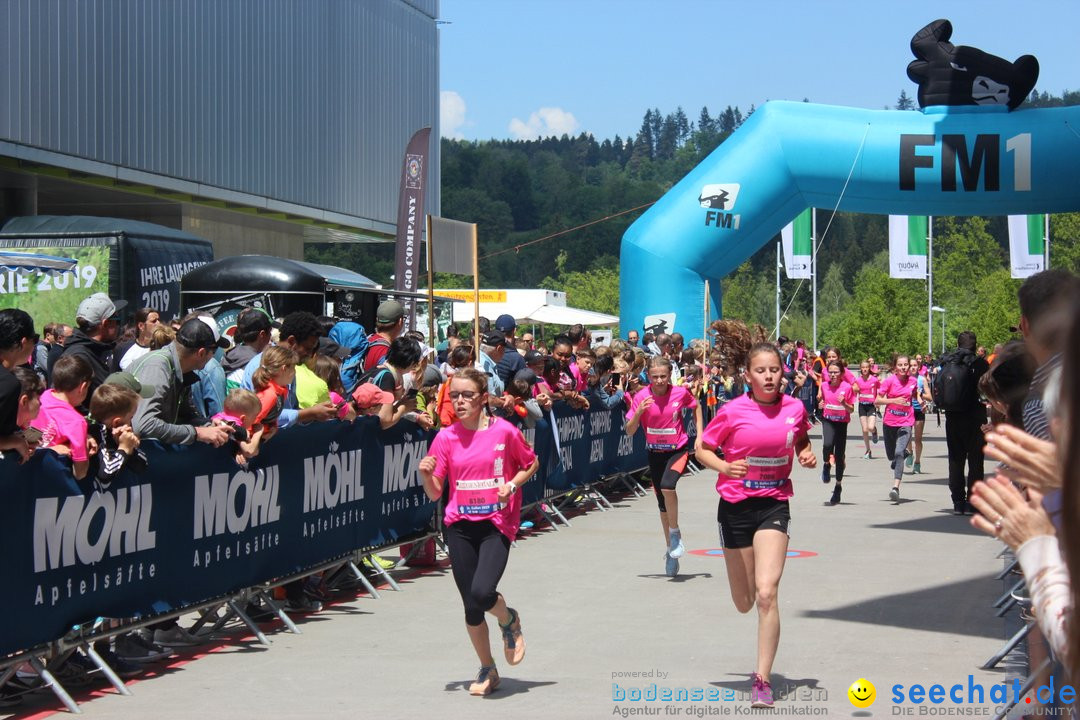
[904,102]
[833,296]
[595,289]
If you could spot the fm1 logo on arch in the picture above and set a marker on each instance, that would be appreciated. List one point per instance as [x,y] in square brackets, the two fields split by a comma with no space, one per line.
[983,160]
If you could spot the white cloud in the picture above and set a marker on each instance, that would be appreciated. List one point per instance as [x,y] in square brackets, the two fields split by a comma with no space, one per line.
[545,122]
[451,114]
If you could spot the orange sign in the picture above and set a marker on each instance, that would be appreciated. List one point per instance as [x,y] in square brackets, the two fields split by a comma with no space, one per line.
[486,296]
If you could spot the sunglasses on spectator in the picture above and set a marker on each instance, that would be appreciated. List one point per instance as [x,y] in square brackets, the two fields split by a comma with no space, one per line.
[463,394]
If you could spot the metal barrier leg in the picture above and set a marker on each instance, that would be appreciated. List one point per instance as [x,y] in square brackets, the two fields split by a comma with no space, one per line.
[385,575]
[107,671]
[1028,684]
[558,513]
[603,500]
[1007,595]
[1008,568]
[276,609]
[204,617]
[235,607]
[1009,646]
[547,516]
[57,688]
[363,580]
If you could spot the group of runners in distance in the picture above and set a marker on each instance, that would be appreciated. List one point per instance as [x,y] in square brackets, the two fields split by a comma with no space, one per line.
[752,442]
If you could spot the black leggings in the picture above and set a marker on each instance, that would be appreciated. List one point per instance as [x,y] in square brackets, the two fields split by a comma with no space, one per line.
[665,469]
[478,555]
[834,438]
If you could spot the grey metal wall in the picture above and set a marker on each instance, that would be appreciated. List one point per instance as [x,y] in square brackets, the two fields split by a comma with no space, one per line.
[310,102]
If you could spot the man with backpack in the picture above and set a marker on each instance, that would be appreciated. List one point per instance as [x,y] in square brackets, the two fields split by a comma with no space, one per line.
[389,324]
[956,391]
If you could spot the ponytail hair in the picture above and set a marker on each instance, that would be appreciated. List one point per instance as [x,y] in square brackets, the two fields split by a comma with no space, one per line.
[737,343]
[274,360]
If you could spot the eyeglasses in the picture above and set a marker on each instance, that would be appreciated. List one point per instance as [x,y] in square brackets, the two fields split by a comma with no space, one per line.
[469,395]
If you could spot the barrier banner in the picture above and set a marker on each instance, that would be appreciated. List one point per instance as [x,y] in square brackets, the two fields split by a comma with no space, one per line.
[195,525]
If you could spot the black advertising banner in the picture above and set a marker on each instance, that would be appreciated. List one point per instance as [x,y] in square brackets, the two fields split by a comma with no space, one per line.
[410,220]
[196,526]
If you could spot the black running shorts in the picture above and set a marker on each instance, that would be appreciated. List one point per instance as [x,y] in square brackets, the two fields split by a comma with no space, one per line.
[665,469]
[866,409]
[739,521]
[920,416]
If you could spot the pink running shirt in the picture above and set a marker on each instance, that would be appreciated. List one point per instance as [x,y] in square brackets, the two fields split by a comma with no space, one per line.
[474,463]
[663,422]
[61,424]
[849,377]
[867,387]
[834,400]
[763,435]
[898,415]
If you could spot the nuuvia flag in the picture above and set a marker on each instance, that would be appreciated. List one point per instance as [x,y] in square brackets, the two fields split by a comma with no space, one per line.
[907,246]
[798,245]
[1027,246]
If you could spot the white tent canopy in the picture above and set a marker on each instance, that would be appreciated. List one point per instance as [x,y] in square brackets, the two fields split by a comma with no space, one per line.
[526,306]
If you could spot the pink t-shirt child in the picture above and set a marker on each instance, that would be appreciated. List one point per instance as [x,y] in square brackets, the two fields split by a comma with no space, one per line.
[834,399]
[867,387]
[663,421]
[474,463]
[764,436]
[898,415]
[61,424]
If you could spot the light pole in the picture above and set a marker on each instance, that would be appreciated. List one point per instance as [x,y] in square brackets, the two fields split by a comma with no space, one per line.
[941,310]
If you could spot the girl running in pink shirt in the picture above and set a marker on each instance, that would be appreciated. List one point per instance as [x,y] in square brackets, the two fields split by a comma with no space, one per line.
[659,407]
[759,434]
[867,383]
[478,464]
[836,400]
[895,396]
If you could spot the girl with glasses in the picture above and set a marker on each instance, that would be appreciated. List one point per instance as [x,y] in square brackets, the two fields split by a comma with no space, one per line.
[836,400]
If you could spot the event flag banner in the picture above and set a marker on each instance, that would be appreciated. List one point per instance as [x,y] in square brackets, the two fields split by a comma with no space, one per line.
[798,245]
[409,220]
[1027,246]
[907,246]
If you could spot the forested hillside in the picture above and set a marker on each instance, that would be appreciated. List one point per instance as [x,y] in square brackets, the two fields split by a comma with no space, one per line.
[521,191]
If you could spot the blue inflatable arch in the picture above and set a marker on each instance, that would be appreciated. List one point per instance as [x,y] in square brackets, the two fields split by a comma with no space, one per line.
[944,160]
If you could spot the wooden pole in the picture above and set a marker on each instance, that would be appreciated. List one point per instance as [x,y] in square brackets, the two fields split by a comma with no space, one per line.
[705,328]
[476,290]
[432,340]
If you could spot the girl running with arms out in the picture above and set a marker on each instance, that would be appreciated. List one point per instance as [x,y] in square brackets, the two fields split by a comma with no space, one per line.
[758,434]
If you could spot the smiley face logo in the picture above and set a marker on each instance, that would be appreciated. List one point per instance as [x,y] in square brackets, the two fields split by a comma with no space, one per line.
[862,693]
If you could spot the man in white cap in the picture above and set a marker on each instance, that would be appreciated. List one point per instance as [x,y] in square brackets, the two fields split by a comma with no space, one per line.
[94,338]
[168,415]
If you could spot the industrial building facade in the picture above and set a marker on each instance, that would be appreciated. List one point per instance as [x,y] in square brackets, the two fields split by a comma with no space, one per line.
[257,124]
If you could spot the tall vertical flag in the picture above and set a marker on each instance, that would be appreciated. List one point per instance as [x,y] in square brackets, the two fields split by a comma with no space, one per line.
[907,246]
[798,242]
[1027,246]
[409,219]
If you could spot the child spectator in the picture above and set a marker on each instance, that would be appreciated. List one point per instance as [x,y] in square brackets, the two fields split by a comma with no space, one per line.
[328,369]
[25,441]
[368,399]
[581,369]
[431,384]
[63,428]
[242,407]
[271,381]
[112,407]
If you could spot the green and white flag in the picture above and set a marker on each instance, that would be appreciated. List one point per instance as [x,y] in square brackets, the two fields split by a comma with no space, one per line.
[798,245]
[907,246]
[1027,246]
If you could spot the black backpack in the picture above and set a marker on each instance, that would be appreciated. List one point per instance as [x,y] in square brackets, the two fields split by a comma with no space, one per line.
[954,388]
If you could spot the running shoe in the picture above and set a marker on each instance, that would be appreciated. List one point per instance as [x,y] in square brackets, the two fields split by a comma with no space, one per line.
[958,508]
[676,549]
[835,499]
[825,476]
[760,693]
[917,469]
[894,494]
[382,562]
[873,436]
[671,566]
[486,681]
[908,460]
[513,640]
[867,456]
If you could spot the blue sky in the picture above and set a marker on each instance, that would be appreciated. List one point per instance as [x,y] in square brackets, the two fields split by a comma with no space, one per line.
[519,68]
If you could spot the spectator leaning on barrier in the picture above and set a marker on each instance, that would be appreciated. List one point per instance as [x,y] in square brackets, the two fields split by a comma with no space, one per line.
[111,410]
[95,338]
[398,377]
[253,327]
[300,332]
[168,415]
[63,428]
[512,361]
[17,338]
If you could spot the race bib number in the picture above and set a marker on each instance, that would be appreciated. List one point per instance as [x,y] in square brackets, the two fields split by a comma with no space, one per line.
[766,469]
[477,497]
[898,413]
[762,484]
[836,413]
[660,438]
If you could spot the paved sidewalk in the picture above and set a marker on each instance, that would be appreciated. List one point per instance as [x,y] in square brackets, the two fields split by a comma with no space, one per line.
[895,593]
